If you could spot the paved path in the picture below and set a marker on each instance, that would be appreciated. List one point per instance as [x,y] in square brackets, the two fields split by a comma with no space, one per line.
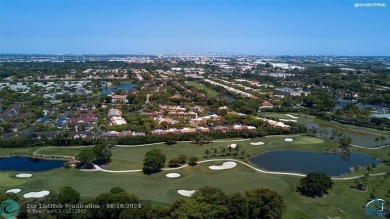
[142,145]
[372,148]
[97,168]
[35,153]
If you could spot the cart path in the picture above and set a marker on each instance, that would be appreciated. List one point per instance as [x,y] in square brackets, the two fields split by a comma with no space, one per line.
[97,168]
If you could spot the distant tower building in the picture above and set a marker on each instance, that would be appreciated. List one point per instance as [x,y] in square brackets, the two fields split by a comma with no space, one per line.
[60,58]
[80,58]
[202,61]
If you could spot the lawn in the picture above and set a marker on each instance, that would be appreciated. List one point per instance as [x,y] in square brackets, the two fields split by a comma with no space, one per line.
[209,91]
[17,151]
[132,157]
[343,201]
[61,151]
[311,119]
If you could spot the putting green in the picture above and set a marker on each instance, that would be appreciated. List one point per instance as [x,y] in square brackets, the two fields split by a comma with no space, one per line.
[308,140]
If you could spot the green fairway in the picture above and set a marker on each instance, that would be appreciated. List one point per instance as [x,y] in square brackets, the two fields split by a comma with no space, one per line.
[17,151]
[203,87]
[161,189]
[131,157]
[342,202]
[61,151]
[6,179]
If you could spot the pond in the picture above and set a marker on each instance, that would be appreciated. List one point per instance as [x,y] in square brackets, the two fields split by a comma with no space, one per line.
[358,138]
[307,162]
[228,98]
[28,164]
[124,87]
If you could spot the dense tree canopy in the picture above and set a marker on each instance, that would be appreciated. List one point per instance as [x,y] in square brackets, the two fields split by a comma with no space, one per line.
[103,153]
[265,204]
[153,162]
[86,157]
[315,184]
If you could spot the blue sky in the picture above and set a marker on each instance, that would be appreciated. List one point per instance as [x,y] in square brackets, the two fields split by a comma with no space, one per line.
[302,27]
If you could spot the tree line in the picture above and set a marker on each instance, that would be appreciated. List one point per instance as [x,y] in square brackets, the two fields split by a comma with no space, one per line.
[63,139]
[205,203]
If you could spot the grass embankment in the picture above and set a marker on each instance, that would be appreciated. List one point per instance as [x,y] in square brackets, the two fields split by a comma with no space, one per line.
[18,151]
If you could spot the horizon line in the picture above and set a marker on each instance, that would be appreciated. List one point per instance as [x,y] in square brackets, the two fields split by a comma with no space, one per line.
[193,54]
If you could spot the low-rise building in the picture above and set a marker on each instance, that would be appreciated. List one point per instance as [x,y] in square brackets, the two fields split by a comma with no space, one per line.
[117,120]
[118,98]
[114,112]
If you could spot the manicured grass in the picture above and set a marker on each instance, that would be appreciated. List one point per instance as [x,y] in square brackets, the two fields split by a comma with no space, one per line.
[343,201]
[161,189]
[209,91]
[6,179]
[17,151]
[132,158]
[61,151]
[311,119]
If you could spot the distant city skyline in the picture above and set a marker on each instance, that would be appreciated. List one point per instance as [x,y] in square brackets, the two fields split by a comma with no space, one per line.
[246,27]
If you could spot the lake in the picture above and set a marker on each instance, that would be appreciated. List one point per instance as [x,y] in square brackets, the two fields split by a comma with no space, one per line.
[307,162]
[28,164]
[228,98]
[358,138]
[124,87]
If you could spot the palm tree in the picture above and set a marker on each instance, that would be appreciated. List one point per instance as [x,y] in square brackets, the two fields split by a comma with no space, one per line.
[382,139]
[376,140]
[215,151]
[223,151]
[230,149]
[43,140]
[207,152]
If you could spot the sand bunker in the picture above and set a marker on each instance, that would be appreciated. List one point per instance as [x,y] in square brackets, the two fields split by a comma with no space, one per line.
[187,193]
[36,194]
[24,175]
[288,139]
[13,191]
[288,120]
[257,143]
[172,175]
[224,166]
[291,116]
[232,145]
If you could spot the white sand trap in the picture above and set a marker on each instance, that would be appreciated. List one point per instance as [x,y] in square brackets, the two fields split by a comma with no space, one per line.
[291,116]
[172,175]
[257,143]
[232,145]
[36,194]
[288,139]
[187,193]
[13,191]
[288,120]
[224,166]
[23,175]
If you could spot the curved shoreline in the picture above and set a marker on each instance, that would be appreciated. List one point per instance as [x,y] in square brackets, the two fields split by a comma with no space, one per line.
[36,155]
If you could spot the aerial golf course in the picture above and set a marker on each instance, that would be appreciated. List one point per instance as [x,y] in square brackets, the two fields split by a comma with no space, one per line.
[342,201]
